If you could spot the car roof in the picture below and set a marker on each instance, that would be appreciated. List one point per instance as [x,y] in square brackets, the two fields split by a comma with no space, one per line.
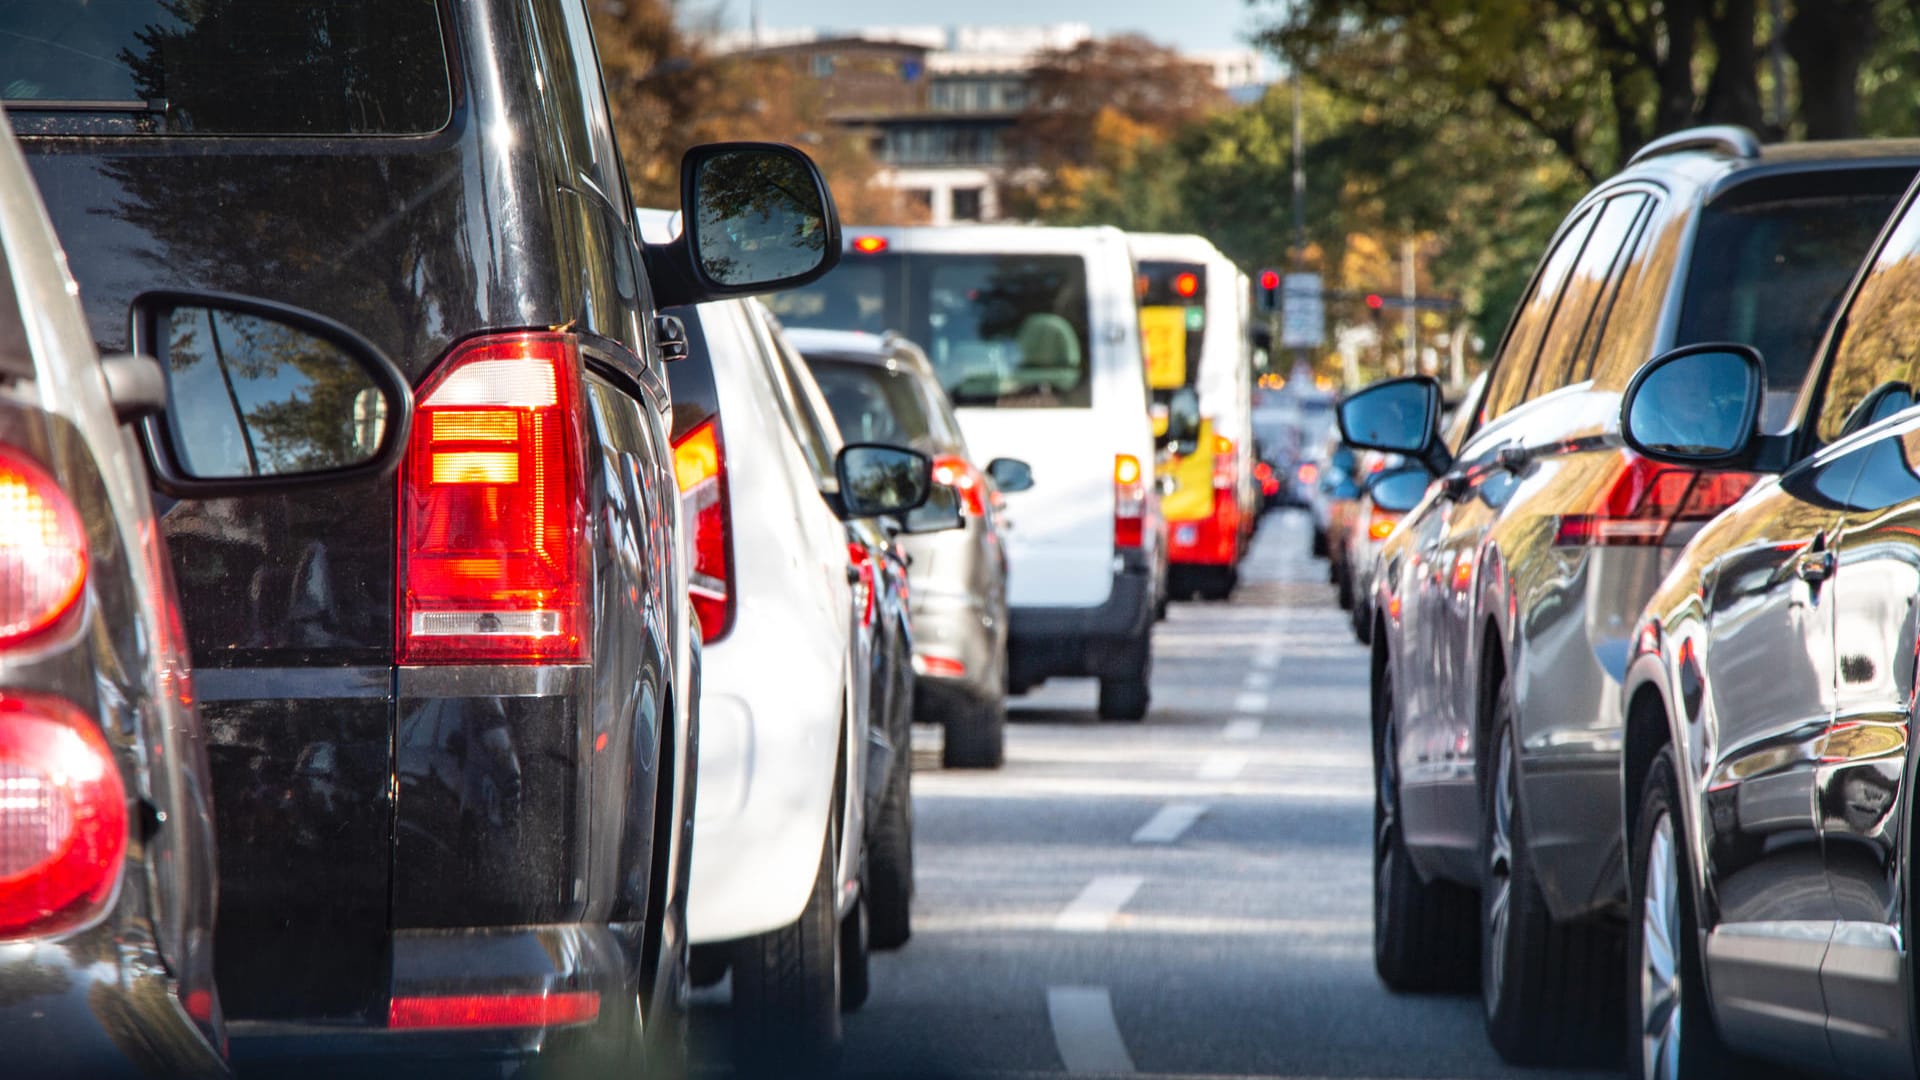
[887,350]
[1717,160]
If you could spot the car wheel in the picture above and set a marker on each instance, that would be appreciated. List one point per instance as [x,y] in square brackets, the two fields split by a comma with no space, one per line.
[1219,583]
[1319,542]
[1362,625]
[1551,990]
[1345,586]
[1126,697]
[786,985]
[855,956]
[1670,1027]
[976,737]
[1425,933]
[889,891]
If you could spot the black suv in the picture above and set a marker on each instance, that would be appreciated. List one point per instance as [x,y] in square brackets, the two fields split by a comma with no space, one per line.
[450,718]
[1505,603]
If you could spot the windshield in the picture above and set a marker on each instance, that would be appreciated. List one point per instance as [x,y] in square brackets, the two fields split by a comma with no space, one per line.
[1770,274]
[871,403]
[1009,331]
[1173,322]
[224,67]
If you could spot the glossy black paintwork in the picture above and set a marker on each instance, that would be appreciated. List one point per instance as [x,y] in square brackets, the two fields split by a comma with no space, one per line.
[356,799]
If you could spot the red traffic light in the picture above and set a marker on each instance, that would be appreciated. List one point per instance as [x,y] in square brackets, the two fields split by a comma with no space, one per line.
[1376,301]
[1186,284]
[1269,279]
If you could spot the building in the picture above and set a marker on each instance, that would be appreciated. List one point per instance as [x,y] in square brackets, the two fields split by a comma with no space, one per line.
[939,104]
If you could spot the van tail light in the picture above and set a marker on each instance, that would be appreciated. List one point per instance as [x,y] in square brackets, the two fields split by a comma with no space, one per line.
[538,1010]
[861,560]
[700,467]
[1646,499]
[493,507]
[967,483]
[1225,467]
[63,816]
[43,550]
[1129,502]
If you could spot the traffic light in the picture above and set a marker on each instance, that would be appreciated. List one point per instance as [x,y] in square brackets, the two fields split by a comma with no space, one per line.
[1375,304]
[1266,294]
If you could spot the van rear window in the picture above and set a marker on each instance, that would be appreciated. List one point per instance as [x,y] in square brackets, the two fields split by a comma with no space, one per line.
[224,67]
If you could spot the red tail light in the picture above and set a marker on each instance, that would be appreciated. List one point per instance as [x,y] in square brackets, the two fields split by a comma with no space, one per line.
[1225,467]
[700,466]
[493,508]
[941,665]
[1380,524]
[862,561]
[869,245]
[43,550]
[1308,472]
[494,1010]
[1646,499]
[966,481]
[1129,502]
[63,816]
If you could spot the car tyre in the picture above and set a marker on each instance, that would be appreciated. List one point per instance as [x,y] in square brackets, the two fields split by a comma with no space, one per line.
[855,956]
[1426,934]
[976,736]
[1319,542]
[1218,584]
[787,985]
[1127,697]
[1551,990]
[889,890]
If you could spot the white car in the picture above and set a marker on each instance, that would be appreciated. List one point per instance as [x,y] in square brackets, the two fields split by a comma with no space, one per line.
[1035,334]
[776,894]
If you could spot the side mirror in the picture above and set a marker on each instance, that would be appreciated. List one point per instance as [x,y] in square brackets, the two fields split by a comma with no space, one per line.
[1399,489]
[1696,405]
[939,513]
[1010,474]
[758,218]
[877,479]
[262,396]
[1183,417]
[1398,416]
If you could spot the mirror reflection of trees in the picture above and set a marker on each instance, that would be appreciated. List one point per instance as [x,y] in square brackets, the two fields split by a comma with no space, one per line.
[883,480]
[761,218]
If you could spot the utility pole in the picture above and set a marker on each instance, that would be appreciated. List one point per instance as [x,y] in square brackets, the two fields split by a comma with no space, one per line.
[1777,61]
[1410,317]
[1297,258]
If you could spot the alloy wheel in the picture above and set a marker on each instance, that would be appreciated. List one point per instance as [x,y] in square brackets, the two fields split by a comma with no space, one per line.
[1660,932]
[1499,883]
[1386,816]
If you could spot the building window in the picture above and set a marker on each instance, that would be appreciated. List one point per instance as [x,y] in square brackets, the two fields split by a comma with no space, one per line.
[822,66]
[966,204]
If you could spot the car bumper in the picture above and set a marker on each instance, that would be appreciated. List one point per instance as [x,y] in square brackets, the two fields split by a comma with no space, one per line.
[1079,641]
[957,650]
[1213,540]
[89,1005]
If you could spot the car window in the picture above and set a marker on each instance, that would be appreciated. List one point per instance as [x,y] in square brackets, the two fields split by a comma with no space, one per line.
[799,398]
[1632,321]
[281,67]
[1561,358]
[1880,337]
[1770,274]
[872,404]
[1514,369]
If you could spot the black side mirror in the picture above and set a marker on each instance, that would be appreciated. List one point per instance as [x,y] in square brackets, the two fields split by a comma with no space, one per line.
[758,218]
[1010,474]
[262,396]
[1696,405]
[1398,416]
[1400,489]
[877,479]
[1183,417]
[940,513]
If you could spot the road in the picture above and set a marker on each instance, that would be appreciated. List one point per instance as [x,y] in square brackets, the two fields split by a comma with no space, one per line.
[1189,896]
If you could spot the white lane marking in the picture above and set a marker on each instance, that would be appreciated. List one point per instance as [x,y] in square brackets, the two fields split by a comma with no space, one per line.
[1098,903]
[1222,766]
[1085,1032]
[1241,729]
[1167,826]
[1266,661]
[1251,701]
[1255,680]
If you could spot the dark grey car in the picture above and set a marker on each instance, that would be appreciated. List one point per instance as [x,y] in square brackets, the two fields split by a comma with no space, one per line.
[1505,603]
[882,389]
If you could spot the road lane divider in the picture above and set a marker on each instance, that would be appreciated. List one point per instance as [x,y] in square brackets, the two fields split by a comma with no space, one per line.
[1251,701]
[1093,910]
[1170,823]
[1241,729]
[1085,1032]
[1222,766]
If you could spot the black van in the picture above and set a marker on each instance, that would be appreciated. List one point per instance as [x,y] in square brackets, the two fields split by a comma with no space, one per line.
[450,716]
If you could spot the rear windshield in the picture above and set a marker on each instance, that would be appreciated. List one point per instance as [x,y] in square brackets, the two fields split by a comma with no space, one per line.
[1007,331]
[872,404]
[1770,274]
[1173,320]
[224,67]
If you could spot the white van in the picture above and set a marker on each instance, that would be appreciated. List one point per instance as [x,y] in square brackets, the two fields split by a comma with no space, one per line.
[1194,309]
[1035,334]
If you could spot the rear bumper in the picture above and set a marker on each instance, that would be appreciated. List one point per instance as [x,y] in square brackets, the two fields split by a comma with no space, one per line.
[1080,641]
[1213,540]
[73,1011]
[951,629]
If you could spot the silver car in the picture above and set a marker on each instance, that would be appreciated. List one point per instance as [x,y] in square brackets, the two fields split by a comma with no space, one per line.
[882,389]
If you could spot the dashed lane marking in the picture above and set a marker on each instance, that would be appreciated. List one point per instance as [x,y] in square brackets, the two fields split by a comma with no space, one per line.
[1169,824]
[1241,729]
[1085,1032]
[1093,910]
[1222,766]
[1251,701]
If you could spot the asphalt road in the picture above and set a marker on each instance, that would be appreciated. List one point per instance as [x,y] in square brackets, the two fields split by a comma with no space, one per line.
[1189,896]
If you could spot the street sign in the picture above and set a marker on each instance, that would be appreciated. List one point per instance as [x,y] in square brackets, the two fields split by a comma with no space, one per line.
[1303,313]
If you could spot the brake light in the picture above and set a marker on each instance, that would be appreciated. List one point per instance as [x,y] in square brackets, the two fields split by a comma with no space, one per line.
[1646,499]
[967,483]
[869,245]
[945,666]
[494,1010]
[1380,525]
[1129,502]
[43,550]
[862,561]
[700,468]
[1225,467]
[63,816]
[1308,472]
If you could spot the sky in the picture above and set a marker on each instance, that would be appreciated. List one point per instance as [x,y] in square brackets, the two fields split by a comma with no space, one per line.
[1185,24]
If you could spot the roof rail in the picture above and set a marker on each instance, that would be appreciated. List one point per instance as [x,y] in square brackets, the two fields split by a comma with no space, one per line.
[1730,139]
